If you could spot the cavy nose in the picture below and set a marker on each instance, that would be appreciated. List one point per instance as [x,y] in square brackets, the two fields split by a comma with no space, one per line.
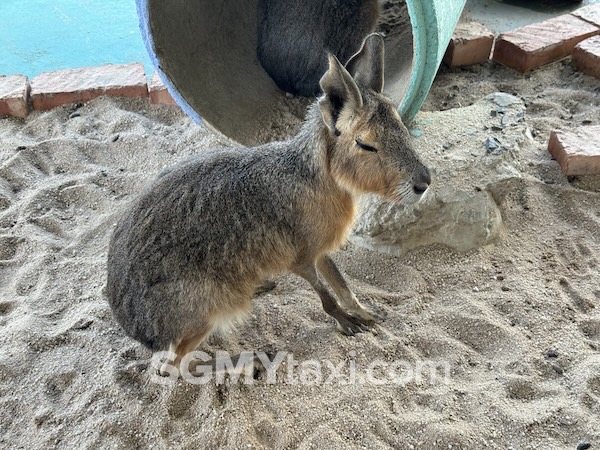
[421,181]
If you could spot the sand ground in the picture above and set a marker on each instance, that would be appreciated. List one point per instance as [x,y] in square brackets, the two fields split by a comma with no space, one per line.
[517,321]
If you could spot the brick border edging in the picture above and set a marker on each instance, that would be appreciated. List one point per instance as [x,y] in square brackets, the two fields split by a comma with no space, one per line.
[19,95]
[527,47]
[586,57]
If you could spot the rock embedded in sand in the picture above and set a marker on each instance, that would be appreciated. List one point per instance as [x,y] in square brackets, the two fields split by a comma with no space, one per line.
[493,145]
[14,91]
[52,89]
[460,210]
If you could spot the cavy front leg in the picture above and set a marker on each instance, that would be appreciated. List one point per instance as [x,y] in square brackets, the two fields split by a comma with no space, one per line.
[346,323]
[336,280]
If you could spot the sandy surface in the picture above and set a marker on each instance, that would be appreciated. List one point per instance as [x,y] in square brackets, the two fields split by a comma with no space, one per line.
[517,322]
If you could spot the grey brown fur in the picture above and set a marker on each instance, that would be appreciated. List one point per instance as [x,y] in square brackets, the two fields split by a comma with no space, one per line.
[295,36]
[187,256]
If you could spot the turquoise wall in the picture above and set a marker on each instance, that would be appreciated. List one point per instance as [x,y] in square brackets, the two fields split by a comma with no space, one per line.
[433,22]
[42,35]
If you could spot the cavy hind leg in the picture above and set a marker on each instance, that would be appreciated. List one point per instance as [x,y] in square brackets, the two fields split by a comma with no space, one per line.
[348,324]
[184,346]
[348,299]
[264,287]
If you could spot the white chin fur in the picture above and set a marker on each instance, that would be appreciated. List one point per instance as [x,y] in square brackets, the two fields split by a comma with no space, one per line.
[405,195]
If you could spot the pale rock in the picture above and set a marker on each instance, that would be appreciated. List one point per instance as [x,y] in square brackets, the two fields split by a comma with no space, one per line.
[461,208]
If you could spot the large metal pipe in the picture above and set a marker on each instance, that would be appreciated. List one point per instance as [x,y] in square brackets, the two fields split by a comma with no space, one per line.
[205,52]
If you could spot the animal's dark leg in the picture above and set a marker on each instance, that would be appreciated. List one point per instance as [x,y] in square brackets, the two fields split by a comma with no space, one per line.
[346,323]
[336,280]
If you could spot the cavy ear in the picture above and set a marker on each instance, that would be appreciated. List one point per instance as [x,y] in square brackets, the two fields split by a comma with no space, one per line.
[340,93]
[366,66]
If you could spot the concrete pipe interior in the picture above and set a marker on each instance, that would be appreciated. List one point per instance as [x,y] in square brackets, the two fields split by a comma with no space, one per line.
[205,52]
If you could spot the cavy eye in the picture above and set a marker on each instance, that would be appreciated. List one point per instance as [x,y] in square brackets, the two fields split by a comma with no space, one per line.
[366,147]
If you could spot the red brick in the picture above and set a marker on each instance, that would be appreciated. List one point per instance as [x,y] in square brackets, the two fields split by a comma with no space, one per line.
[52,89]
[14,96]
[578,151]
[590,14]
[586,56]
[158,92]
[471,43]
[541,43]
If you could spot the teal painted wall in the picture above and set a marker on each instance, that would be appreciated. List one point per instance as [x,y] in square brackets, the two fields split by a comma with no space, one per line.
[433,23]
[42,35]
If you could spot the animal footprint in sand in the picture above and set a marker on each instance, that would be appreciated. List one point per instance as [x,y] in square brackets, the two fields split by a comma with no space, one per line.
[57,384]
[9,246]
[7,307]
[23,170]
[479,333]
[577,296]
[591,329]
[576,257]
[591,396]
